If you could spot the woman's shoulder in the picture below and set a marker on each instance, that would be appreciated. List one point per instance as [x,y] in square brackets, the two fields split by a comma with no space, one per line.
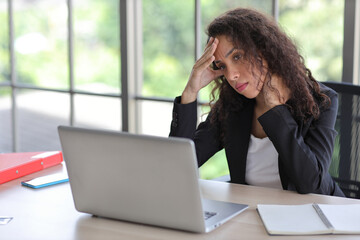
[327,90]
[332,102]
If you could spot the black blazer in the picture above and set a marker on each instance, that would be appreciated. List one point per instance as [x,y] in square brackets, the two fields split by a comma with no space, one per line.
[304,149]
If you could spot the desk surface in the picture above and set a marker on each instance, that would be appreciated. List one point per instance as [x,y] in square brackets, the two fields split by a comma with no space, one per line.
[49,213]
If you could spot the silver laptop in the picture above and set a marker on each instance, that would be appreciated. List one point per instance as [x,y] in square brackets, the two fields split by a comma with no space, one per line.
[138,178]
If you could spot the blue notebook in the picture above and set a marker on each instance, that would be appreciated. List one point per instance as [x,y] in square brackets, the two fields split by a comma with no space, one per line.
[46,180]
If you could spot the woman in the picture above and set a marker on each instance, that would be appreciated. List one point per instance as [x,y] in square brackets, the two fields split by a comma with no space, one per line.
[275,121]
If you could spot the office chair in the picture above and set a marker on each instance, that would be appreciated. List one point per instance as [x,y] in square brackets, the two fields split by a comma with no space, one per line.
[345,165]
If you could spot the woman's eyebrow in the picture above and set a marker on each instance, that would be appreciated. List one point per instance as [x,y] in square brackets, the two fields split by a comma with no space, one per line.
[230,52]
[226,55]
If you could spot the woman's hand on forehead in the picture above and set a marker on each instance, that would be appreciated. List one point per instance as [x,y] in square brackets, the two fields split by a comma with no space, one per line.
[202,74]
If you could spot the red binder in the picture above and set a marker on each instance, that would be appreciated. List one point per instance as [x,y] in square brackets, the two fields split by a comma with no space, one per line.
[15,165]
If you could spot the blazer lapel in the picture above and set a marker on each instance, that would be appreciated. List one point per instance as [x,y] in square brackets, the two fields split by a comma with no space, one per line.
[237,141]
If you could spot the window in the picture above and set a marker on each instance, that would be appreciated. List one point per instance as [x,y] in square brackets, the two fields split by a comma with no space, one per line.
[61,62]
[96,46]
[38,115]
[5,90]
[4,44]
[40,43]
[168,55]
[317,28]
[6,123]
[97,64]
[64,69]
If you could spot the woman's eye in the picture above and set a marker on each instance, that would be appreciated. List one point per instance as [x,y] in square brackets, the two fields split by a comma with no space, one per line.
[237,57]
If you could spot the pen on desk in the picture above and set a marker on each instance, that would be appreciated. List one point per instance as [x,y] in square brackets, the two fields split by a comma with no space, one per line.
[5,220]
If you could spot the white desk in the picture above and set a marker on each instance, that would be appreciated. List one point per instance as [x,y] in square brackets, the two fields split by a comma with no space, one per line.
[49,213]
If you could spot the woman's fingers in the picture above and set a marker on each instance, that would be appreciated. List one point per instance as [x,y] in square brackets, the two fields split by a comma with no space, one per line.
[208,56]
[211,47]
[202,73]
[211,40]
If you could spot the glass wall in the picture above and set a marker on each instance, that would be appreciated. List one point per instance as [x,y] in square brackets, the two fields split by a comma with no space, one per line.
[39,114]
[317,28]
[75,68]
[6,124]
[40,42]
[155,117]
[4,44]
[97,111]
[96,46]
[168,46]
[64,74]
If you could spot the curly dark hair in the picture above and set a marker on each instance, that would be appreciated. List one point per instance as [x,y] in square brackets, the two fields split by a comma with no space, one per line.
[261,39]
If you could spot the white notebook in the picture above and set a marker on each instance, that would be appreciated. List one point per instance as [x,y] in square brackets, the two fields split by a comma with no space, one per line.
[310,219]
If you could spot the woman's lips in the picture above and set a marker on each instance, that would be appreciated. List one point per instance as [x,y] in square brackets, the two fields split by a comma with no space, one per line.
[241,86]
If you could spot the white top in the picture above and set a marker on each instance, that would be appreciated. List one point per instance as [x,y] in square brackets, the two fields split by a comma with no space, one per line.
[262,163]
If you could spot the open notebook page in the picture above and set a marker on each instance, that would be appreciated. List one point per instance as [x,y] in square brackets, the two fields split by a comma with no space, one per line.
[344,218]
[292,219]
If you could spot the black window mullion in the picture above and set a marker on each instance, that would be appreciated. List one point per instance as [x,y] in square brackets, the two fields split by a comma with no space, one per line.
[349,41]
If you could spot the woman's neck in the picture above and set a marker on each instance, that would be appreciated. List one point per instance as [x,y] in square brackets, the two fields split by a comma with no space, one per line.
[260,103]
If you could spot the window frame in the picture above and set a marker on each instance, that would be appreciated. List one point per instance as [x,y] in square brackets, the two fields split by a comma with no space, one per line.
[131,60]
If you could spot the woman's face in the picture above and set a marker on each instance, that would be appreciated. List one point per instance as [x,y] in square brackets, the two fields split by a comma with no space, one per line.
[238,71]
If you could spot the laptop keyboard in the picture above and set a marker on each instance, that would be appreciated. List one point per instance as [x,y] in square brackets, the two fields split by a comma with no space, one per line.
[208,215]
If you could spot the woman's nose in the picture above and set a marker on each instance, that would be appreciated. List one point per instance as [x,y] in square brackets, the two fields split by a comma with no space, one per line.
[232,75]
